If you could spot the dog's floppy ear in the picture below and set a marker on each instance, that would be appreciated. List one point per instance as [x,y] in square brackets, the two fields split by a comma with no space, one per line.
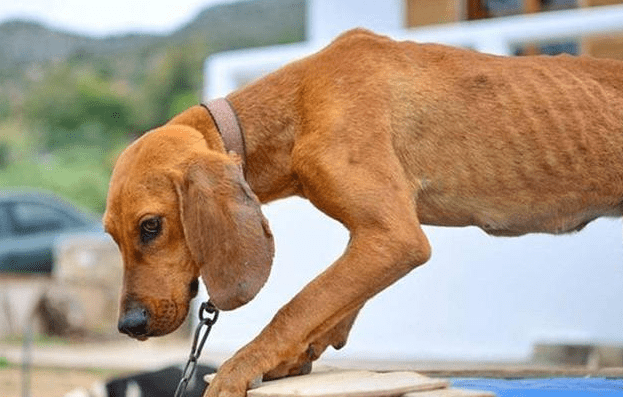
[225,230]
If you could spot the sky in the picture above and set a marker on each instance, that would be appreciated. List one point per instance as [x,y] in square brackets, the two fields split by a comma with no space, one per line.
[101,18]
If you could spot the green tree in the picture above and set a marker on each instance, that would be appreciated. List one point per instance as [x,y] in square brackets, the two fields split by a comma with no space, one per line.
[175,85]
[81,110]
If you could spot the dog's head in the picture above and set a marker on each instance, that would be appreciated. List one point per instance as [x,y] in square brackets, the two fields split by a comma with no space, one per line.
[179,210]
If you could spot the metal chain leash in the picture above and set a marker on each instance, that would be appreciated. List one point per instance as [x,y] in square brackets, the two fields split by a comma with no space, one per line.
[206,322]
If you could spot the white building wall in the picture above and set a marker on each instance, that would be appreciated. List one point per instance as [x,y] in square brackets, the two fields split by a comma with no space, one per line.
[327,19]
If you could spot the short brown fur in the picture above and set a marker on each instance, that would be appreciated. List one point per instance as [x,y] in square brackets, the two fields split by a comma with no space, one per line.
[382,136]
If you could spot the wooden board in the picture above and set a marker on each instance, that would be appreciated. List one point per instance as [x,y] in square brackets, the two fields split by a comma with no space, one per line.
[347,384]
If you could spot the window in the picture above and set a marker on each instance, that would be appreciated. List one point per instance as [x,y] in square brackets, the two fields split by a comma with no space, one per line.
[4,221]
[478,9]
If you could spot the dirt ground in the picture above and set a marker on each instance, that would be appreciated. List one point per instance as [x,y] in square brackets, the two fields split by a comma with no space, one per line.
[50,382]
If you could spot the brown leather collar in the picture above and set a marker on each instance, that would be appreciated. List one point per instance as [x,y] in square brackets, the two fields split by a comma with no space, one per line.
[228,125]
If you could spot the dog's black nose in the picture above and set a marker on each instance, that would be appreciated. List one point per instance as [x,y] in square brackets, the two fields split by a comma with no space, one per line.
[134,322]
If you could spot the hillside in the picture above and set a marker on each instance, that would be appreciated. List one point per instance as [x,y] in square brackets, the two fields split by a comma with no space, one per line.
[228,26]
[22,42]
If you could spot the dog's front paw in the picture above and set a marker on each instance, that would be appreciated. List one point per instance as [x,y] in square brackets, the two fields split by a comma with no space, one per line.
[231,380]
[225,387]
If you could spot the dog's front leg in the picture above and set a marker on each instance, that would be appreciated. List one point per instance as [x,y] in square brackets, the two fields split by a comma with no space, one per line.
[375,202]
[317,309]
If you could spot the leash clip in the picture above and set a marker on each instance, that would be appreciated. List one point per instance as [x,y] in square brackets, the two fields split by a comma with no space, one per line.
[205,321]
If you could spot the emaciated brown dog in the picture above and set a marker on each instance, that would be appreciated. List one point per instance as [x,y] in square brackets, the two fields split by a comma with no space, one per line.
[382,136]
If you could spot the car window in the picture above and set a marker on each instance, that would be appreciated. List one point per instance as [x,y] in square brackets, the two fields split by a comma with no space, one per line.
[29,218]
[4,221]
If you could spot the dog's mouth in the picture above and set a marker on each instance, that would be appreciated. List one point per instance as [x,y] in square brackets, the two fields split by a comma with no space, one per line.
[144,337]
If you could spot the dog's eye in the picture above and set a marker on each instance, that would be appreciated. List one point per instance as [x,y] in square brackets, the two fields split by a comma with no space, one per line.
[150,228]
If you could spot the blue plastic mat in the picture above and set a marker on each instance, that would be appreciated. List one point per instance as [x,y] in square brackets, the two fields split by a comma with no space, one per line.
[574,387]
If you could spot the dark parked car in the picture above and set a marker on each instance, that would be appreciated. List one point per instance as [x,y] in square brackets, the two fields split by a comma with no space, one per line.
[30,222]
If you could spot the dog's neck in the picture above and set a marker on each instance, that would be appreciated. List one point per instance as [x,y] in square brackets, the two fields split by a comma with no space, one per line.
[270,121]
